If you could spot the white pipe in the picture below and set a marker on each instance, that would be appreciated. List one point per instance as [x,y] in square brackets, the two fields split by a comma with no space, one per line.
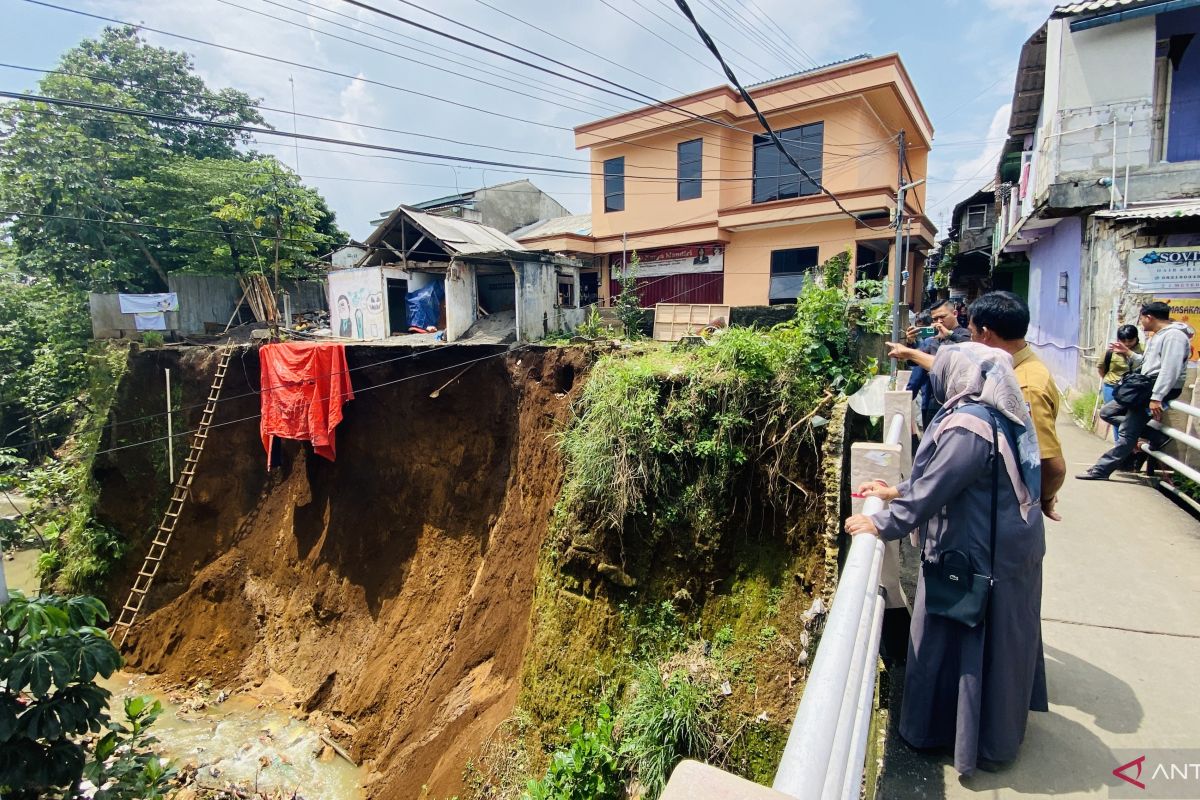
[1128,145]
[1112,183]
[809,748]
[1187,500]
[855,762]
[835,772]
[1177,405]
[1173,463]
[170,433]
[1177,435]
[809,752]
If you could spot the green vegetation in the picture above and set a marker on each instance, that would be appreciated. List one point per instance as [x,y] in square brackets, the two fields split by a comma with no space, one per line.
[628,307]
[51,653]
[586,769]
[1083,408]
[81,551]
[689,535]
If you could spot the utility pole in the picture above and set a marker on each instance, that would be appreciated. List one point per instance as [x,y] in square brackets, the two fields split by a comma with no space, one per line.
[897,292]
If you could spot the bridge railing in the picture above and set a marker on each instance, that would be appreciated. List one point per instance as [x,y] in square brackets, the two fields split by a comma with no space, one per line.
[1185,439]
[826,749]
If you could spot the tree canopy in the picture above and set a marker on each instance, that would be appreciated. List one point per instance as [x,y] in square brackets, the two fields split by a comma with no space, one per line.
[115,202]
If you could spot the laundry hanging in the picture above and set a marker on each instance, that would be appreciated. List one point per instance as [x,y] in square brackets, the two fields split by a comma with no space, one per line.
[303,387]
[148,303]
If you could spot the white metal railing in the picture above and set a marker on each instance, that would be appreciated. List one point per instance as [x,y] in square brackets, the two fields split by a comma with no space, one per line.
[1187,440]
[826,750]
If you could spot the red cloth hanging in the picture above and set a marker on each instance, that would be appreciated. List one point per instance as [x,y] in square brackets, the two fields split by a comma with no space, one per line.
[303,387]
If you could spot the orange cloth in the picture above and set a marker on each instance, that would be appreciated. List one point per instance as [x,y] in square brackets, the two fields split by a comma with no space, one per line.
[303,387]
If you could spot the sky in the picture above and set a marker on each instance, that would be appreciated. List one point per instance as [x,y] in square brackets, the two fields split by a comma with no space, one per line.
[376,71]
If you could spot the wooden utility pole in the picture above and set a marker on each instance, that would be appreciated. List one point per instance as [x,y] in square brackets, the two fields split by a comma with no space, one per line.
[898,267]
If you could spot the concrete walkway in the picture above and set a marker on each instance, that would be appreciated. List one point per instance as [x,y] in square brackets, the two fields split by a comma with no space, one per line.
[1121,627]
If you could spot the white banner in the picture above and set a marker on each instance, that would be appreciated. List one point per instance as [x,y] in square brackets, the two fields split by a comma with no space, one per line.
[1165,268]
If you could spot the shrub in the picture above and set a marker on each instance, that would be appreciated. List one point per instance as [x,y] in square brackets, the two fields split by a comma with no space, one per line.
[670,718]
[1083,407]
[628,306]
[152,339]
[586,769]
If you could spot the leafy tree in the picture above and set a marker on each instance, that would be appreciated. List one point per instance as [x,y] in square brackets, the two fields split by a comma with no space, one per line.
[101,194]
[50,655]
[628,306]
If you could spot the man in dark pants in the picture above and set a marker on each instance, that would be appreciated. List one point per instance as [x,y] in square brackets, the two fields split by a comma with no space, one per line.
[1165,360]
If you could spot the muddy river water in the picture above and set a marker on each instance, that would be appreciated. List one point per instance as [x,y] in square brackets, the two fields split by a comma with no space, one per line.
[240,740]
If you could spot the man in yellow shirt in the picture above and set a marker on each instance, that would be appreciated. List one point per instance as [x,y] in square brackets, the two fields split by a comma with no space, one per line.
[1001,320]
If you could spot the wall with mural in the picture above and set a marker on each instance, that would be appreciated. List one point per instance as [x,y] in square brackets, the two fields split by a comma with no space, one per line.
[356,304]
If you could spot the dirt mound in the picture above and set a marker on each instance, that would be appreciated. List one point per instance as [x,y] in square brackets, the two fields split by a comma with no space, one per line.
[392,589]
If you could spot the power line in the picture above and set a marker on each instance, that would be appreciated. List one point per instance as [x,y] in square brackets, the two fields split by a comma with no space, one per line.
[785,57]
[491,68]
[417,61]
[251,129]
[708,42]
[275,59]
[721,12]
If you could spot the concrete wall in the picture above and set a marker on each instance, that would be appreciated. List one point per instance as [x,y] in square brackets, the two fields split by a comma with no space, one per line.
[748,255]
[516,205]
[537,296]
[1054,326]
[1106,300]
[1106,65]
[462,299]
[109,323]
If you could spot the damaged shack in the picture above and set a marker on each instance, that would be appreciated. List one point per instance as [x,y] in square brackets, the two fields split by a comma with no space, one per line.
[425,274]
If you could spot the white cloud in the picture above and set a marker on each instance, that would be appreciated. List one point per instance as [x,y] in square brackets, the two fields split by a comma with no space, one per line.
[1026,12]
[965,174]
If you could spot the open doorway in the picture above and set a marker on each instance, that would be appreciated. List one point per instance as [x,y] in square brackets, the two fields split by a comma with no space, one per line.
[397,289]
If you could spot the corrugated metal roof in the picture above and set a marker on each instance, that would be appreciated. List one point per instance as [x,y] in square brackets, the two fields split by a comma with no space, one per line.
[1165,211]
[831,64]
[1098,6]
[457,236]
[580,224]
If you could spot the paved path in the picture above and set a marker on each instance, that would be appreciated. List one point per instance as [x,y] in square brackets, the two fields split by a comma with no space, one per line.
[1122,574]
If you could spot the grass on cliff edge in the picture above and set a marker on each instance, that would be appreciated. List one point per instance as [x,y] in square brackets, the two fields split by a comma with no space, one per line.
[671,588]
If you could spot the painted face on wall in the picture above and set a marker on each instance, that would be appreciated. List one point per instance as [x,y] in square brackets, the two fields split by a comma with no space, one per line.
[343,305]
[375,303]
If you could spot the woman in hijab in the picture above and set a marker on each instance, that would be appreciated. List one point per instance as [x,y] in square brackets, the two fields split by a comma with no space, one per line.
[971,688]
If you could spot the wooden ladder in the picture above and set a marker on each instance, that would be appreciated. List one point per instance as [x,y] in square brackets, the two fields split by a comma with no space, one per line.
[183,488]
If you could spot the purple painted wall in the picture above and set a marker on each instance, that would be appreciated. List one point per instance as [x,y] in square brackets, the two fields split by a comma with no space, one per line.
[1183,131]
[1054,325]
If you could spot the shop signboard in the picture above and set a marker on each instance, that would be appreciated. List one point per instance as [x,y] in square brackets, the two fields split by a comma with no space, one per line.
[1187,311]
[1159,269]
[675,260]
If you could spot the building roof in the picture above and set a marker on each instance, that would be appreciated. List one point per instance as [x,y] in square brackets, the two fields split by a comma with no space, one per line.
[579,224]
[1099,7]
[830,65]
[462,197]
[455,236]
[1164,211]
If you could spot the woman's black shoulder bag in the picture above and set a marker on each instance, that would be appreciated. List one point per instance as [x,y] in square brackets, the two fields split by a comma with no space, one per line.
[952,589]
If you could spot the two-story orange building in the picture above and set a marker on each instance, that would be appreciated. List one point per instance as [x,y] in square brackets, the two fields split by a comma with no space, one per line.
[717,214]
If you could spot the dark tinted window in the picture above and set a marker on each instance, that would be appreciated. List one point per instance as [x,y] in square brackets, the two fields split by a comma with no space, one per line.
[790,270]
[614,184]
[774,176]
[691,154]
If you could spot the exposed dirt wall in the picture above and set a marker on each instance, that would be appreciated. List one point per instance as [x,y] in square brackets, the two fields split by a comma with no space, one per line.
[391,589]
